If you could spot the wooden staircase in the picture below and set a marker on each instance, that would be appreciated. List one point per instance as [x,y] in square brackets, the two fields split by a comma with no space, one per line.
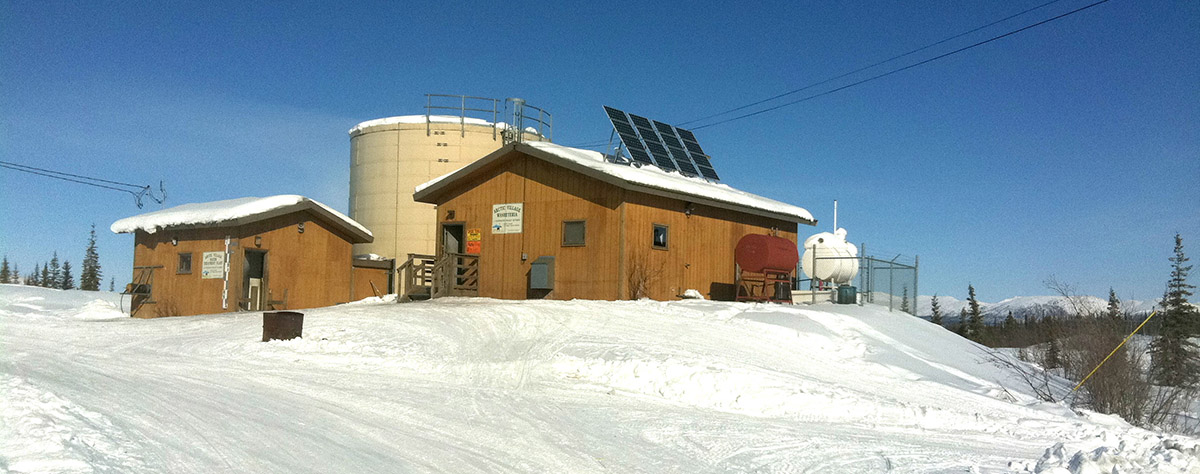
[426,276]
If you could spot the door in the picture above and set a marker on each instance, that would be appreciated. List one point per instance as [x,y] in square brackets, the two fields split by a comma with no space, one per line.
[254,272]
[450,272]
[452,238]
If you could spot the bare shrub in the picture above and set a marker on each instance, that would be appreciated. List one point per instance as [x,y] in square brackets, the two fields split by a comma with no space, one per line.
[1119,386]
[1037,378]
[642,275]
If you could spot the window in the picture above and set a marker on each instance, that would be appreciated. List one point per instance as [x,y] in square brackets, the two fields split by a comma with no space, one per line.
[574,233]
[185,263]
[660,237]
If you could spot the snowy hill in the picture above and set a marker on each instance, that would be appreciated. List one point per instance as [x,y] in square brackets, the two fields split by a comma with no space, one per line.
[1032,306]
[477,385]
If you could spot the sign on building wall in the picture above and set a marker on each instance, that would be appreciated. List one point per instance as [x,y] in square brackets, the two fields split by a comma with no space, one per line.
[474,236]
[213,266]
[506,218]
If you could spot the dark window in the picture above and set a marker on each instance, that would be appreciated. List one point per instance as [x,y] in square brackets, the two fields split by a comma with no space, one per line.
[185,263]
[574,233]
[660,236]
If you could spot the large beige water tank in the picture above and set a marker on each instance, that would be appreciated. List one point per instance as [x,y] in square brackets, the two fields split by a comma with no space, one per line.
[391,156]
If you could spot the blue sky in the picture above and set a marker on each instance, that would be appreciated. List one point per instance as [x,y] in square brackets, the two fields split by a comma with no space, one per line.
[1072,149]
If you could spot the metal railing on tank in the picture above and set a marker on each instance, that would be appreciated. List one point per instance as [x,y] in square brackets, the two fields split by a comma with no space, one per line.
[493,111]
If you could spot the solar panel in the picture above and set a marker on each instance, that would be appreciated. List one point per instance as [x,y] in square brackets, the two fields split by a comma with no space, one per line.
[633,145]
[683,162]
[665,146]
[640,121]
[639,155]
[661,158]
[698,157]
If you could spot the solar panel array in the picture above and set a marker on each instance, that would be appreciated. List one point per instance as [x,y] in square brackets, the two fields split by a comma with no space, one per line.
[651,142]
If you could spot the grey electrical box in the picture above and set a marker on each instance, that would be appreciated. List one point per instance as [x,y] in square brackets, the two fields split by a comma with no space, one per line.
[541,274]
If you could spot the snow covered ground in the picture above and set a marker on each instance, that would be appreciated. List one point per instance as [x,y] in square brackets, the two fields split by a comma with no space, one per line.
[477,385]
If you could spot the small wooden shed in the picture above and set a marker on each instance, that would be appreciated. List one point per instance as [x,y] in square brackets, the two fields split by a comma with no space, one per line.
[539,220]
[248,254]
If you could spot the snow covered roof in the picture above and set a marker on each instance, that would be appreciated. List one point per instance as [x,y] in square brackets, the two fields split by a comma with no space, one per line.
[233,212]
[647,179]
[413,119]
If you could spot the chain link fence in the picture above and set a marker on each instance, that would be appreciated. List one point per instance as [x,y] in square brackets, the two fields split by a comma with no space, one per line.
[890,281]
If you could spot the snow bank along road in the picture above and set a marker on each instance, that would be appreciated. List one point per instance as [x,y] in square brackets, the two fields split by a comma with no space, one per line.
[476,385]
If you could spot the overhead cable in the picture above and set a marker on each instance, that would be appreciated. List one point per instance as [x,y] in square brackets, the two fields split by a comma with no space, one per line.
[138,191]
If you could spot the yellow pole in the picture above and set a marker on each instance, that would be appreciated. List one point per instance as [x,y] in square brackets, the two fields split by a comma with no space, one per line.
[1114,351]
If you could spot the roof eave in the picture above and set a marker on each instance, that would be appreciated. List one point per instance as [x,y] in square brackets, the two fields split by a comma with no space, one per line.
[430,194]
[357,235]
[613,180]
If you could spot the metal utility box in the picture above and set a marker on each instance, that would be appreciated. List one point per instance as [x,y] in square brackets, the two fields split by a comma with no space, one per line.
[283,325]
[541,273]
[847,294]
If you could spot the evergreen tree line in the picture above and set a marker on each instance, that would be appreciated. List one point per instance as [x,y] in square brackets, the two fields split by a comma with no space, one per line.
[54,274]
[1148,392]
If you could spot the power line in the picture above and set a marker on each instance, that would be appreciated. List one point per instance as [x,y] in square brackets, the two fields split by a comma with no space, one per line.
[4,164]
[11,164]
[91,181]
[864,68]
[893,58]
[905,68]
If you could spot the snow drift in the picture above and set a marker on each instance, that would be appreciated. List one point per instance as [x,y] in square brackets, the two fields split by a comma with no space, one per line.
[477,385]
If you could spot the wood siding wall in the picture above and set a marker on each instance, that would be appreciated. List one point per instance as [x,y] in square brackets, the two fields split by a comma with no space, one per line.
[312,268]
[699,253]
[550,196]
[619,233]
[363,277]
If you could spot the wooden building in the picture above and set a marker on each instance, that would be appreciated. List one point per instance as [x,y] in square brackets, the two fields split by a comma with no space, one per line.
[249,254]
[539,220]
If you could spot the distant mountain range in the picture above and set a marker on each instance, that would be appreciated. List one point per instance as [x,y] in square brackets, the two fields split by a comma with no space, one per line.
[1033,306]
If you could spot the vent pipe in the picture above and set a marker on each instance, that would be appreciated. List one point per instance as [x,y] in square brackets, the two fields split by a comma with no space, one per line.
[518,119]
[835,215]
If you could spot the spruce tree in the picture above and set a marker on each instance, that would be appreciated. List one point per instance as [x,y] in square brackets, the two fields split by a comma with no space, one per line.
[55,279]
[90,275]
[44,280]
[67,281]
[1114,305]
[1173,357]
[1053,356]
[904,302]
[35,278]
[936,309]
[112,284]
[15,277]
[963,330]
[5,272]
[976,321]
[1010,322]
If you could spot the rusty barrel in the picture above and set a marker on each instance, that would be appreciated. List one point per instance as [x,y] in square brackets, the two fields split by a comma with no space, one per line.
[282,325]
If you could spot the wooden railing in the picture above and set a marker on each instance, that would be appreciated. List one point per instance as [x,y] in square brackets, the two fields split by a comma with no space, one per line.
[416,277]
[456,274]
[426,276]
[141,290]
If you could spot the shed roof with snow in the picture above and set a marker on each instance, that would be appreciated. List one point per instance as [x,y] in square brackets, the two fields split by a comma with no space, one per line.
[235,212]
[647,179]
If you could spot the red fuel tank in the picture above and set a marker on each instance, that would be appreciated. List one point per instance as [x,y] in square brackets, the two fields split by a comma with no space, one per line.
[756,252]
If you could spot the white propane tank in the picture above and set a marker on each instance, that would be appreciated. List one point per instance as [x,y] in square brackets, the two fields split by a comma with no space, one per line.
[840,271]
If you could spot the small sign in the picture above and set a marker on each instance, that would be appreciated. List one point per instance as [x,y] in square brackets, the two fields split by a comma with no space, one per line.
[213,266]
[474,238]
[507,218]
